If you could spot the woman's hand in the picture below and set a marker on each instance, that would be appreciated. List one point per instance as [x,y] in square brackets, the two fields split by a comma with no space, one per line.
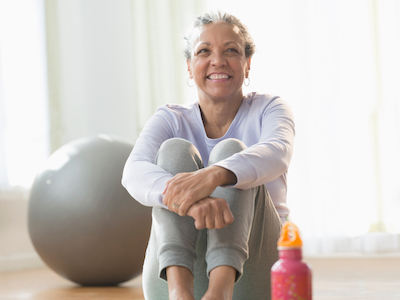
[211,213]
[185,189]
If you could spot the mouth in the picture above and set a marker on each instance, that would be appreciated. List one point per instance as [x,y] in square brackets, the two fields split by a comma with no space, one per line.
[218,76]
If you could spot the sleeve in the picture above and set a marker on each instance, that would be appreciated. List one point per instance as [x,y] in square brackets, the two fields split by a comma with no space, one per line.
[144,180]
[270,157]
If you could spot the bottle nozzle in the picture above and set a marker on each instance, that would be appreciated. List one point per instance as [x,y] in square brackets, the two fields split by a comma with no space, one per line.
[290,236]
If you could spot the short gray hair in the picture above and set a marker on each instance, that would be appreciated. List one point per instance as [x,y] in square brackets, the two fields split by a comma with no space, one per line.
[249,46]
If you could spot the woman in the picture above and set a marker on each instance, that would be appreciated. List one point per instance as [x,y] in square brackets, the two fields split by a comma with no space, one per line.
[206,168]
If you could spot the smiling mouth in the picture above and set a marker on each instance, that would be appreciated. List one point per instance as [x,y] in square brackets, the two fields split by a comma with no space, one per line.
[218,76]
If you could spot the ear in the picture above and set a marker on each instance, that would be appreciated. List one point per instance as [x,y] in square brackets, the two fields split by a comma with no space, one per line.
[248,65]
[189,68]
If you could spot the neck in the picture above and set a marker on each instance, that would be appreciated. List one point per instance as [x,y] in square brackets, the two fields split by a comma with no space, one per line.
[218,115]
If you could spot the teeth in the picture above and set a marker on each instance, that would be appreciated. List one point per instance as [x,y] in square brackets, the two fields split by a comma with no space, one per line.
[218,76]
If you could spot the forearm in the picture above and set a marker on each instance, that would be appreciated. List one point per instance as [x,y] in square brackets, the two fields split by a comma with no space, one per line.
[222,176]
[258,165]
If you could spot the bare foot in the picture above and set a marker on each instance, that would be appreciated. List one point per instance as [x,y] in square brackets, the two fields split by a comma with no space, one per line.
[222,280]
[180,283]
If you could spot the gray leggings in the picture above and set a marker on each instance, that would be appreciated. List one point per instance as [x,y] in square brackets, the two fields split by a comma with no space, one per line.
[248,244]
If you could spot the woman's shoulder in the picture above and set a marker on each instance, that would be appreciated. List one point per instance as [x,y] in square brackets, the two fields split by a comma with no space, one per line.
[177,114]
[176,109]
[255,99]
[266,105]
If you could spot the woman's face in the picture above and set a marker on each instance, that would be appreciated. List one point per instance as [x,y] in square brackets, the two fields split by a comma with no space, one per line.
[218,64]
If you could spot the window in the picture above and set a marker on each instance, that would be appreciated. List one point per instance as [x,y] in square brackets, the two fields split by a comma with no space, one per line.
[23,92]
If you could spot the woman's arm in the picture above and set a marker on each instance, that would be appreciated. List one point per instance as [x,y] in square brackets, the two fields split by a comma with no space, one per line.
[144,180]
[270,157]
[185,189]
[191,192]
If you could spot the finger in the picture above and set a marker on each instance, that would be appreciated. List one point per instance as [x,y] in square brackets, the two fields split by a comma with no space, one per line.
[219,221]
[211,211]
[166,194]
[175,208]
[210,221]
[166,187]
[200,223]
[220,206]
[196,213]
[185,204]
[167,200]
[170,196]
[228,217]
[190,212]
[183,209]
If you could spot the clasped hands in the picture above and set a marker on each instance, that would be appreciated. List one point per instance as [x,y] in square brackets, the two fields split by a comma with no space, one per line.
[189,194]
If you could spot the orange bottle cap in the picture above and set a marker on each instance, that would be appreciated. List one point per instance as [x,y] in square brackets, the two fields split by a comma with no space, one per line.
[290,236]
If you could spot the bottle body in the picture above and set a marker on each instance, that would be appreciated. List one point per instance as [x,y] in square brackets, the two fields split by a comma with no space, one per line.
[290,276]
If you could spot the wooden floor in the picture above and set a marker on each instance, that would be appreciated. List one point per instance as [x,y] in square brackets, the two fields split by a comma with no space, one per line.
[44,284]
[356,278]
[344,278]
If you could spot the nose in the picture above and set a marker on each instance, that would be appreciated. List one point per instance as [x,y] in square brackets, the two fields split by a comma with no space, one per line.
[218,59]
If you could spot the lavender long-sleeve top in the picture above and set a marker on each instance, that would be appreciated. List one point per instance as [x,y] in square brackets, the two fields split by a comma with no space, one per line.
[263,122]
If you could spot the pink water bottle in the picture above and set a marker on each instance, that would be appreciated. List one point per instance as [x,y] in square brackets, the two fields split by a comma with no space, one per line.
[290,277]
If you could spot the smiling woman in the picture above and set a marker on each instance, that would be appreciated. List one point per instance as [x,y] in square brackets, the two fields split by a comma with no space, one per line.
[218,164]
[218,64]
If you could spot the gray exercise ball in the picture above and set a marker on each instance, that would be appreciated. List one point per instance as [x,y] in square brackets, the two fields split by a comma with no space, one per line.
[82,222]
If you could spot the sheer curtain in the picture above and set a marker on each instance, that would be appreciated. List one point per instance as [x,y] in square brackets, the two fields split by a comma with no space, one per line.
[337,64]
[112,63]
[23,92]
[161,72]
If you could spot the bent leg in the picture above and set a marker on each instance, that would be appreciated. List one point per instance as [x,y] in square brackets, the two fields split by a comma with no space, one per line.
[173,238]
[263,253]
[249,244]
[229,246]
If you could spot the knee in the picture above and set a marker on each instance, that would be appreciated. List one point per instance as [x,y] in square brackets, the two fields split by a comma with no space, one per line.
[225,149]
[173,145]
[177,155]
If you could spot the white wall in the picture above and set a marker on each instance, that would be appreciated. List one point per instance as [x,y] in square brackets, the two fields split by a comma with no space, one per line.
[93,66]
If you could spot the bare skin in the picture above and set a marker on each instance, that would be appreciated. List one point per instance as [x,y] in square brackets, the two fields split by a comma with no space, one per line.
[222,280]
[185,189]
[218,67]
[180,283]
[211,213]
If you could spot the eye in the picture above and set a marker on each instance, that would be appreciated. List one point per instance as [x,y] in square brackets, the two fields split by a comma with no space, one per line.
[232,51]
[202,51]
